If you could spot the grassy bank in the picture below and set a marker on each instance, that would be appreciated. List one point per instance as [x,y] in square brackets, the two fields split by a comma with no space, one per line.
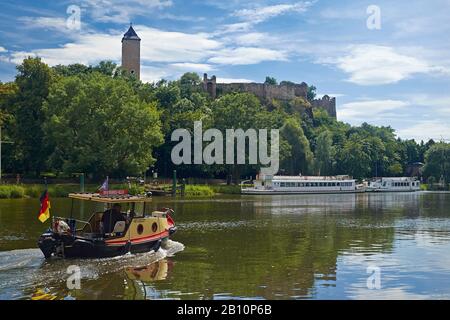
[9,191]
[35,191]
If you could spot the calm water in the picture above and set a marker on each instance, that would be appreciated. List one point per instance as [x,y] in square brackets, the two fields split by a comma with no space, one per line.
[280,247]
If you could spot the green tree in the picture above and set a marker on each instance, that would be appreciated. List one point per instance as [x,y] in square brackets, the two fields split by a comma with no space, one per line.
[189,83]
[31,149]
[311,95]
[242,111]
[324,155]
[355,159]
[301,159]
[98,125]
[271,81]
[437,161]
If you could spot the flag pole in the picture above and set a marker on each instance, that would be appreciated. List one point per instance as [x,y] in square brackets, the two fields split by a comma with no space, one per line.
[46,190]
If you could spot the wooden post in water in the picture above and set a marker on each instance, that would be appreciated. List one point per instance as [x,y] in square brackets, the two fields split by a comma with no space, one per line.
[82,182]
[174,183]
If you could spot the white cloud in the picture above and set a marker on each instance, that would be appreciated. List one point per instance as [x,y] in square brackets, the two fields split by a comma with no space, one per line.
[234,27]
[164,46]
[2,49]
[118,11]
[425,130]
[88,49]
[250,39]
[261,14]
[252,17]
[247,55]
[375,65]
[362,111]
[192,67]
[49,23]
[156,46]
[153,74]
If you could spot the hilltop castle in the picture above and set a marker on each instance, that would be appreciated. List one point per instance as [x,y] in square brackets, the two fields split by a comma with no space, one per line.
[285,91]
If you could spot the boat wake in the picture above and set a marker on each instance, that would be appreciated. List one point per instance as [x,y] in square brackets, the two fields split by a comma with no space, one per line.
[25,270]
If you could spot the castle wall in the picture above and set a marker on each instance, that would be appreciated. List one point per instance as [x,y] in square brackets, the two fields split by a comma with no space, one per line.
[286,91]
[326,103]
[265,92]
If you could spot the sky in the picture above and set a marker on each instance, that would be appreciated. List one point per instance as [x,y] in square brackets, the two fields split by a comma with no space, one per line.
[386,62]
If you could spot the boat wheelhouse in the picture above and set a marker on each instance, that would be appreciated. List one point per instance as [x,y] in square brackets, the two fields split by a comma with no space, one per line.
[121,225]
[268,184]
[394,184]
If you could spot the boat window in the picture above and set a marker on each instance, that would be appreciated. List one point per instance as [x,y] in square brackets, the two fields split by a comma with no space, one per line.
[282,184]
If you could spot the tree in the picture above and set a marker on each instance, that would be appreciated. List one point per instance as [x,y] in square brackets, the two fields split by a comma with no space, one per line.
[324,155]
[189,83]
[311,95]
[271,81]
[33,82]
[98,125]
[355,159]
[242,111]
[301,158]
[437,161]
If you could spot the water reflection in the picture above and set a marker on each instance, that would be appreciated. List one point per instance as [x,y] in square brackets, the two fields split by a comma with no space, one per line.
[280,247]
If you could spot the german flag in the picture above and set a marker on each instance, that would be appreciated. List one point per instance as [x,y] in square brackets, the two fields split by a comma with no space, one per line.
[44,213]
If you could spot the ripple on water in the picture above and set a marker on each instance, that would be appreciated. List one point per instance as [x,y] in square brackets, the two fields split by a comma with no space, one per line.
[22,270]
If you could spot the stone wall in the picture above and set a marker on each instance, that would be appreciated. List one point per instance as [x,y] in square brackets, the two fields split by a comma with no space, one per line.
[327,103]
[285,91]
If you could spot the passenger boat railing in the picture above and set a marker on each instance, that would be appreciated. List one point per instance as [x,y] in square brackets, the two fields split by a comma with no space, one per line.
[72,222]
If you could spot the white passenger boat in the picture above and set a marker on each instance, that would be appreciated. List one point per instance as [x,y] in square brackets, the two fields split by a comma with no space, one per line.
[396,184]
[268,184]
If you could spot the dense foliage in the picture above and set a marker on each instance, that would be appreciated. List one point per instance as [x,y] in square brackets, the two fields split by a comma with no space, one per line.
[97,120]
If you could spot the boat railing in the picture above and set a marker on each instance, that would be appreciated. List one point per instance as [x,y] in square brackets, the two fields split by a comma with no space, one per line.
[72,222]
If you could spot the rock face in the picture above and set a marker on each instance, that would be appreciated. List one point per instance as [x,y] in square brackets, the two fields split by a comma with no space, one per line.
[285,91]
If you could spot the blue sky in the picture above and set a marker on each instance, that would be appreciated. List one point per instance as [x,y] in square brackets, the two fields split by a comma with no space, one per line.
[398,75]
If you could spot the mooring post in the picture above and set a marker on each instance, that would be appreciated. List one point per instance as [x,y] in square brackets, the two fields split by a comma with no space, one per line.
[174,183]
[82,182]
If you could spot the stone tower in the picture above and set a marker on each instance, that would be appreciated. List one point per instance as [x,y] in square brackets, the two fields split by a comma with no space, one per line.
[131,53]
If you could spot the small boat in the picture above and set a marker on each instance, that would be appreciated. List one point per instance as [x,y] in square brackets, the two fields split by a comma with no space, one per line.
[137,232]
[268,185]
[396,184]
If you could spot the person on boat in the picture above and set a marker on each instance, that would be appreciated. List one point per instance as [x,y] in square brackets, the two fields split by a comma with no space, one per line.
[111,217]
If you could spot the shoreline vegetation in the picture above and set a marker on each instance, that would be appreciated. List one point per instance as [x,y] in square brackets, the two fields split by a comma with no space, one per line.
[21,191]
[33,191]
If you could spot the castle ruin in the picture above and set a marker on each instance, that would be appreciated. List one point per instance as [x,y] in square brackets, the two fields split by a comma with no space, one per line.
[285,92]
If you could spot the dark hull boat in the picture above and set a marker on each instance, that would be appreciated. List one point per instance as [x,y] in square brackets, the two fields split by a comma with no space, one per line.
[139,233]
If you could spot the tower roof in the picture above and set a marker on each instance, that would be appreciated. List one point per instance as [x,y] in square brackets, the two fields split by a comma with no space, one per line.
[131,35]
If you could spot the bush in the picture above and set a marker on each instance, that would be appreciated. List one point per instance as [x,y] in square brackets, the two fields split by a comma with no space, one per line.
[226,189]
[17,192]
[11,191]
[198,191]
[34,191]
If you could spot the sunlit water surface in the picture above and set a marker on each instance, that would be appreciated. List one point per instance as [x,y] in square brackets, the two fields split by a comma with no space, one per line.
[365,246]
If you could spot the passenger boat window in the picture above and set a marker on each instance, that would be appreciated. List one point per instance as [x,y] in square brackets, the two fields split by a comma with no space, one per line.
[282,184]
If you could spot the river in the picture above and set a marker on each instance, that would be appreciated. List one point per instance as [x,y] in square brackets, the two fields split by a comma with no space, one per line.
[349,246]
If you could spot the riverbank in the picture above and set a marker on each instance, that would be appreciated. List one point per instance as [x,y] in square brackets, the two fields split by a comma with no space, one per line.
[13,191]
